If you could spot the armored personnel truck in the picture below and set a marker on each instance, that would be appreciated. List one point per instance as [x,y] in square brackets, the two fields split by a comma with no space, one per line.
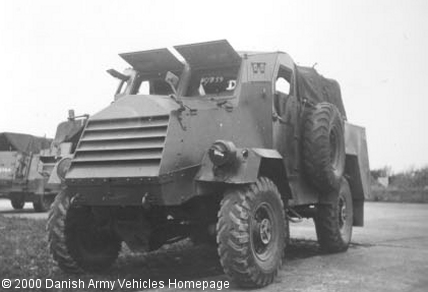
[221,146]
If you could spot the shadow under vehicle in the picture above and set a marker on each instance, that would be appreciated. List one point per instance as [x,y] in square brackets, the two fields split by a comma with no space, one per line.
[224,147]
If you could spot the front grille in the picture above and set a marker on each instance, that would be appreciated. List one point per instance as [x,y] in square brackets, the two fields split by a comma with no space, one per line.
[120,148]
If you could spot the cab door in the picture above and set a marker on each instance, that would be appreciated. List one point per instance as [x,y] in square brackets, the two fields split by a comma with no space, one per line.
[286,116]
[287,130]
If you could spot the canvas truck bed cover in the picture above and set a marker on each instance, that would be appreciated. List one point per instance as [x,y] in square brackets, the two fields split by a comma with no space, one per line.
[23,142]
[316,88]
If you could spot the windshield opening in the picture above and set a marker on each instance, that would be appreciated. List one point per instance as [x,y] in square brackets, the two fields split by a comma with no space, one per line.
[213,82]
[152,86]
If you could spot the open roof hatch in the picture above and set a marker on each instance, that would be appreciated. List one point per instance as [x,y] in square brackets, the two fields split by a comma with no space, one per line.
[209,54]
[160,61]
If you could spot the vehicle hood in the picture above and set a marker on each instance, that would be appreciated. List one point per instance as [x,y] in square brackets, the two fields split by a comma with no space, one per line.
[134,106]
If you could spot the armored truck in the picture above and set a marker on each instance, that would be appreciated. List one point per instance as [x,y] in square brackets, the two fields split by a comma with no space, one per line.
[221,146]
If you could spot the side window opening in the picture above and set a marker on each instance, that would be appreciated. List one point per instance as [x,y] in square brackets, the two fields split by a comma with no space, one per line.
[282,85]
[283,80]
[282,88]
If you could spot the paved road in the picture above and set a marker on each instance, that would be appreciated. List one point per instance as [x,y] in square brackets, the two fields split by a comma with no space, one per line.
[389,254]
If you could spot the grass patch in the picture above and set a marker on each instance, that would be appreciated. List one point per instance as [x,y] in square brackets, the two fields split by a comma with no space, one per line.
[391,194]
[23,250]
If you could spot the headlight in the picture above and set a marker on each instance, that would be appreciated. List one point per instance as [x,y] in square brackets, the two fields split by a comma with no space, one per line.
[222,152]
[62,168]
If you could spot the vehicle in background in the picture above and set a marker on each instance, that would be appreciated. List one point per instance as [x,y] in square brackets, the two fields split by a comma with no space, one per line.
[20,180]
[32,168]
[56,160]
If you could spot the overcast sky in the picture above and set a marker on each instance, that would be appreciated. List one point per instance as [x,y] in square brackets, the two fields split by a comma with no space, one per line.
[54,54]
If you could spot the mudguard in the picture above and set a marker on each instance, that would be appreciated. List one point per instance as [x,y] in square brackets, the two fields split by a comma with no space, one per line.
[357,169]
[243,170]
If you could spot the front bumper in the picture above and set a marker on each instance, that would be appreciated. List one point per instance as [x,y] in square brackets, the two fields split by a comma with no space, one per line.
[167,190]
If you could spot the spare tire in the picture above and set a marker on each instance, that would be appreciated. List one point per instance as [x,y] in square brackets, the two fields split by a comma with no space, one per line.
[324,147]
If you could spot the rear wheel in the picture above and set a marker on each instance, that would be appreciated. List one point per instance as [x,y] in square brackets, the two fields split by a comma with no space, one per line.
[76,240]
[251,233]
[333,222]
[17,204]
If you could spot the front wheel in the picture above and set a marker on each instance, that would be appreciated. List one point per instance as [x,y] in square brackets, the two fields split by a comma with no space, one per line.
[77,240]
[251,233]
[334,221]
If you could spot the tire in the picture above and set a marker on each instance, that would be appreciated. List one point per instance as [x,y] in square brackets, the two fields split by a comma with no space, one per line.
[333,222]
[324,147]
[75,240]
[42,203]
[251,249]
[17,204]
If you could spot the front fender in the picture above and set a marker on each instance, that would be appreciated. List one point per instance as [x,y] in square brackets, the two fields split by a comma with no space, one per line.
[243,170]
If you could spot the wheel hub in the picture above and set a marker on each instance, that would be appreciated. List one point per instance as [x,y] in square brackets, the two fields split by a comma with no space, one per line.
[265,230]
[342,213]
